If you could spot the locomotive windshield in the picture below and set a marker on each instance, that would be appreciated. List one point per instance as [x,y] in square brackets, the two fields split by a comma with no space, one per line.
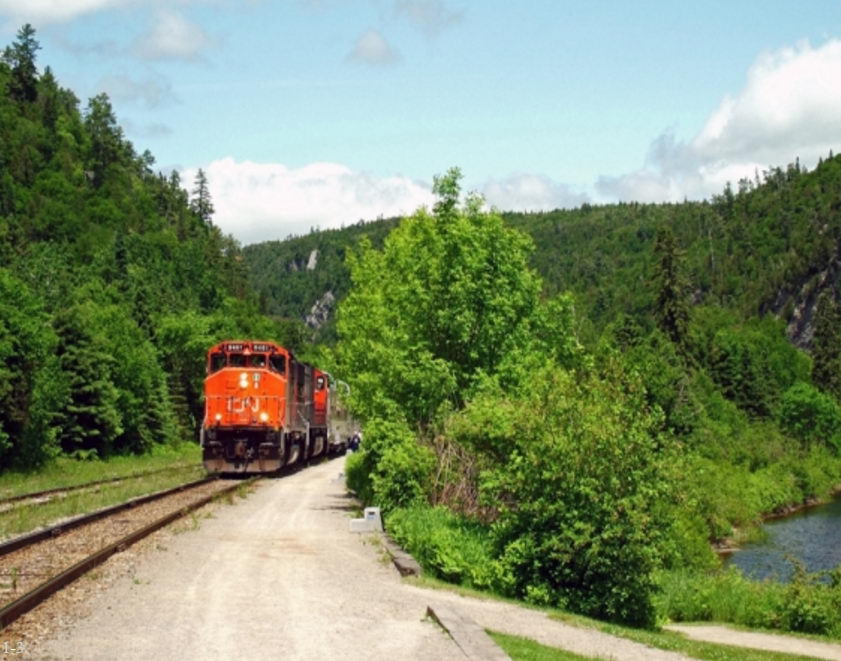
[217,362]
[220,359]
[278,363]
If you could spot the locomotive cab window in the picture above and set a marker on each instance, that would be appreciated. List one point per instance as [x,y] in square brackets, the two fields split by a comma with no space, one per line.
[217,362]
[236,360]
[257,360]
[278,363]
[319,383]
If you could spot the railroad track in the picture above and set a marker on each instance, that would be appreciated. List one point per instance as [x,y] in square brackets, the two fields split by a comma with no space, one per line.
[47,495]
[36,565]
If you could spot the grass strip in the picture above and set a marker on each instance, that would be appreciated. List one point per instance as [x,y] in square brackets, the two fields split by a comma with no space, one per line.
[524,649]
[23,519]
[65,472]
[664,640]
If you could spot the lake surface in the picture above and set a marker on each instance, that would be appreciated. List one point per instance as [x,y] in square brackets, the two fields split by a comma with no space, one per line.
[813,536]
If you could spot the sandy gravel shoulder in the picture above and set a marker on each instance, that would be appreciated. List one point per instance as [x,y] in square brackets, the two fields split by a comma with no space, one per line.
[712,633]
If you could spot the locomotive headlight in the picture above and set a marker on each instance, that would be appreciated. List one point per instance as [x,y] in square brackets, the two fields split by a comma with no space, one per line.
[218,417]
[264,417]
[243,380]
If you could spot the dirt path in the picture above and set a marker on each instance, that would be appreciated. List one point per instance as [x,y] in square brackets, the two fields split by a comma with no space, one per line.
[762,641]
[520,621]
[279,576]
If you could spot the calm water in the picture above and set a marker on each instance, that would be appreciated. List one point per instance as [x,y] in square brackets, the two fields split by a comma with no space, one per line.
[812,536]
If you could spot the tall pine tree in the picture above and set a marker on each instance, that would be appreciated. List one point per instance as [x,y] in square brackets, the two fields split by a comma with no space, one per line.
[826,345]
[672,304]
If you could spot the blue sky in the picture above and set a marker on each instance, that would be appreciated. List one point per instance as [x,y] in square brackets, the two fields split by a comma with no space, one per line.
[320,112]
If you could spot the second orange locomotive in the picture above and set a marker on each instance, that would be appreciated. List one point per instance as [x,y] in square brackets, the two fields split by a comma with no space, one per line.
[264,409]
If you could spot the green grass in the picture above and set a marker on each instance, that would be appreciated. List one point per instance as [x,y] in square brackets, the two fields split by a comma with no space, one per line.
[675,642]
[523,649]
[665,640]
[66,472]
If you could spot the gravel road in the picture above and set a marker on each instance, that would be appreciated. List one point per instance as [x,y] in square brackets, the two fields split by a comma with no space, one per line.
[280,576]
[277,576]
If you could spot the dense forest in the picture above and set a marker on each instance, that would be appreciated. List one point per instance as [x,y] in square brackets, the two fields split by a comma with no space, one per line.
[114,279]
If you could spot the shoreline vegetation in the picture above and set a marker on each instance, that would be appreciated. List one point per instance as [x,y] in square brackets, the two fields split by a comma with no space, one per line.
[731,544]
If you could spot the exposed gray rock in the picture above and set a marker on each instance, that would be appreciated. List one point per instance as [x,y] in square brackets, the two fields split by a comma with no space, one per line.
[320,312]
[312,262]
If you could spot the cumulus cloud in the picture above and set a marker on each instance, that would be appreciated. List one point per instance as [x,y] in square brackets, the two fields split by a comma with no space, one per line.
[790,107]
[266,201]
[372,48]
[172,37]
[152,92]
[431,16]
[530,192]
[41,12]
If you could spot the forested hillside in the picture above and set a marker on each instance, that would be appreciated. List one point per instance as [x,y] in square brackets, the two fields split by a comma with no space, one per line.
[582,450]
[113,279]
[296,277]
[771,246]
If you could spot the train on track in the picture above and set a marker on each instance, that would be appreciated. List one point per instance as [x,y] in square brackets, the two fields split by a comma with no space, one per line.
[265,409]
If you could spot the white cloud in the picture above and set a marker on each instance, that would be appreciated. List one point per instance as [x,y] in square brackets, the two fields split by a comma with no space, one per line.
[42,12]
[530,192]
[266,201]
[431,16]
[172,37]
[372,48]
[152,92]
[790,107]
[49,11]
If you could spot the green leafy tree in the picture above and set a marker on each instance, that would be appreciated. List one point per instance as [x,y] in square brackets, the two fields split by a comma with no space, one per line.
[580,496]
[446,298]
[811,416]
[27,408]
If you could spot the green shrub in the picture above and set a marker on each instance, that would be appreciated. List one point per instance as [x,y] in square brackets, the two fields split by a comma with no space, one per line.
[392,469]
[811,416]
[807,604]
[580,497]
[447,545]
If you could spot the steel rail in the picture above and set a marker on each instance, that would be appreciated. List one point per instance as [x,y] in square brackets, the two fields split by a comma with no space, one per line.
[53,531]
[78,487]
[28,601]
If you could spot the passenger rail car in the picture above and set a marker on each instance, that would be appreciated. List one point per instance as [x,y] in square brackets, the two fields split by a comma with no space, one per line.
[264,409]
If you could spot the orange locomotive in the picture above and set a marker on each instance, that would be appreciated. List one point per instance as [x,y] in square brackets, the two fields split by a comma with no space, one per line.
[264,409]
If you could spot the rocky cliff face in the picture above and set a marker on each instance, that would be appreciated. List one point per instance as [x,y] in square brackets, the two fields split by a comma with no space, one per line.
[320,311]
[796,304]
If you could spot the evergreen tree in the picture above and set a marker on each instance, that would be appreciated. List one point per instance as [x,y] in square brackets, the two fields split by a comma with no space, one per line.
[23,84]
[826,345]
[89,418]
[672,305]
[201,204]
[107,146]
